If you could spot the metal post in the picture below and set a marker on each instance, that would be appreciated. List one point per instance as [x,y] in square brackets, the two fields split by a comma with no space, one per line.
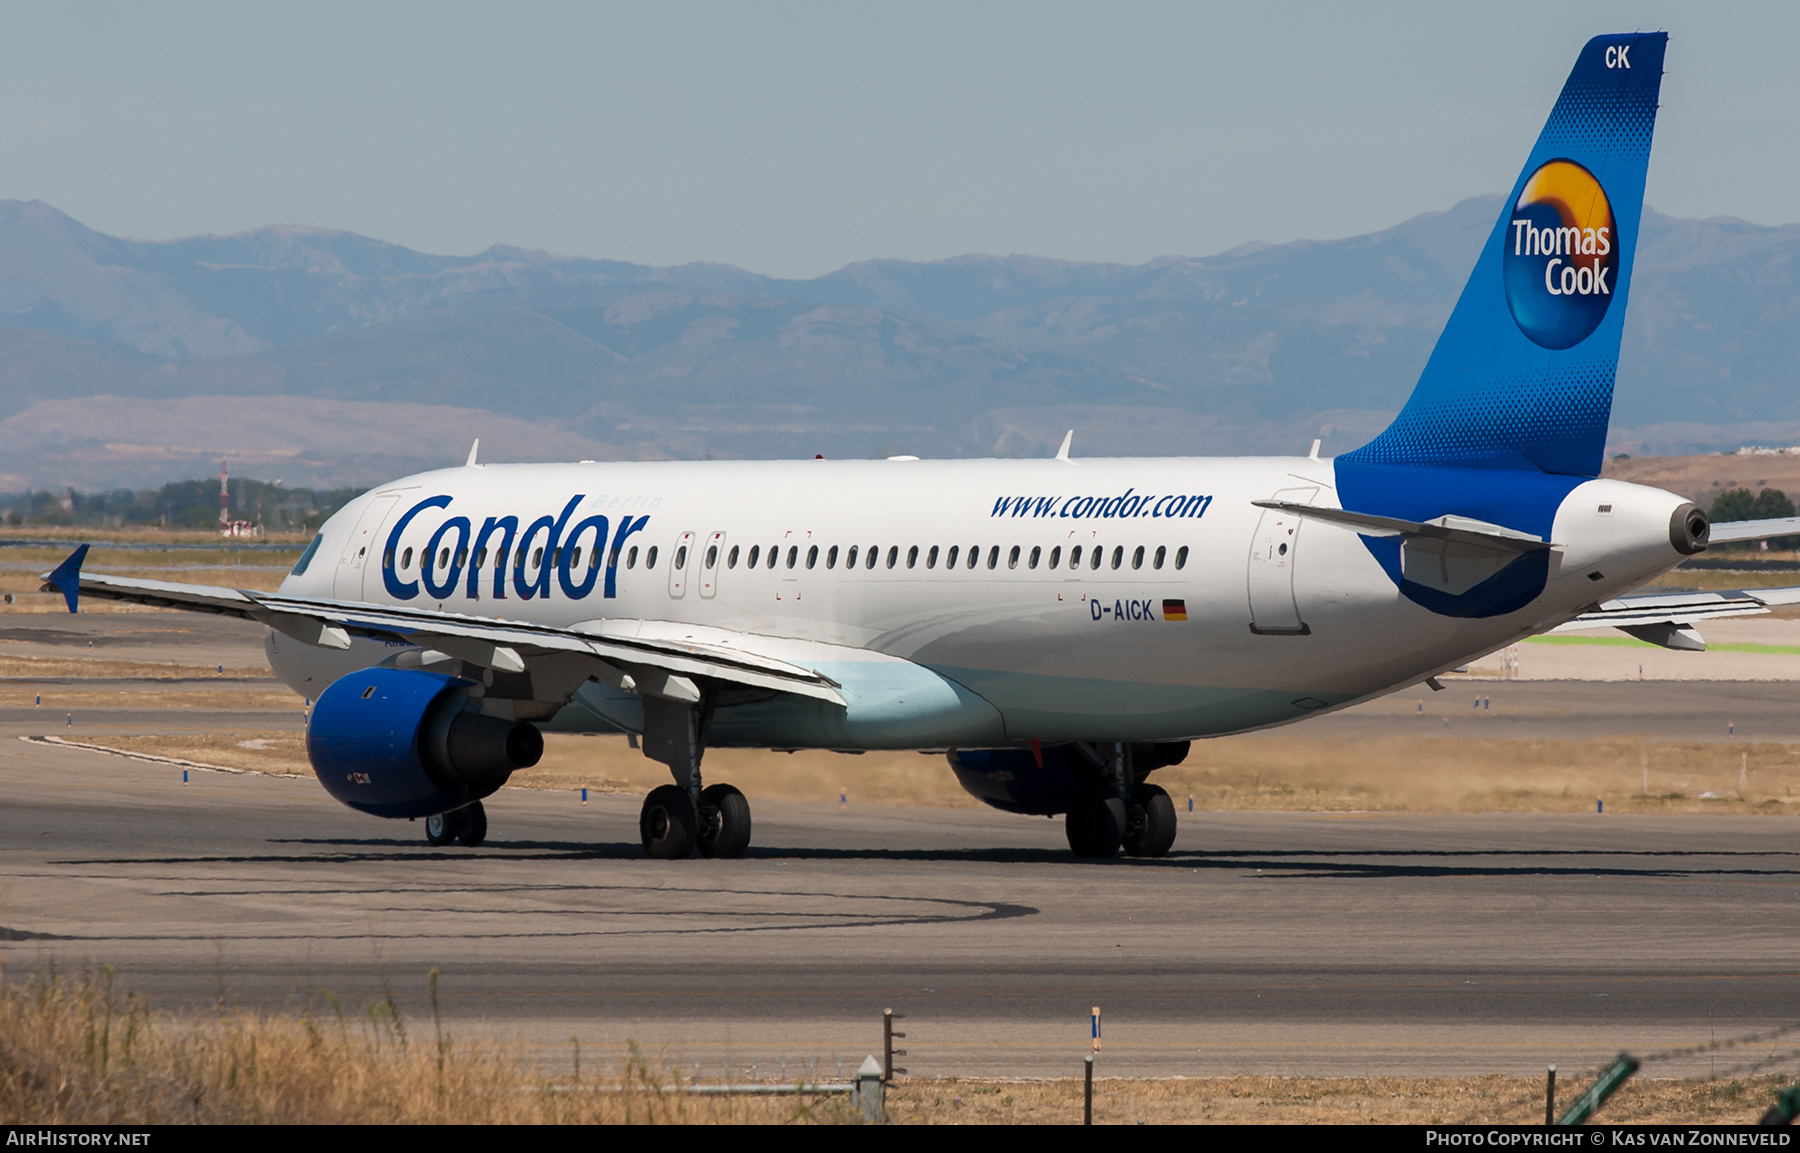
[1087,1111]
[871,1091]
[888,1052]
[1589,1100]
[1550,1097]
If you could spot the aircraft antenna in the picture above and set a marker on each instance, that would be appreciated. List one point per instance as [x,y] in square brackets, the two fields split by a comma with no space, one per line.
[473,449]
[1068,439]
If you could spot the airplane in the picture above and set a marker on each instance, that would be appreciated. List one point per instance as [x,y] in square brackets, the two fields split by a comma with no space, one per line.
[1060,629]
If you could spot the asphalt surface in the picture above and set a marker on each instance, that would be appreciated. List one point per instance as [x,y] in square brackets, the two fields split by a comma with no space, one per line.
[1341,944]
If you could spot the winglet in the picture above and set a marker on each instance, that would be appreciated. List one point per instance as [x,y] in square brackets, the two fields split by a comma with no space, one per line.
[66,577]
[1068,439]
[473,449]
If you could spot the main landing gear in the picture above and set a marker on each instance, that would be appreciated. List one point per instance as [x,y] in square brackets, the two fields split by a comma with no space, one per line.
[465,826]
[1118,809]
[683,817]
[672,826]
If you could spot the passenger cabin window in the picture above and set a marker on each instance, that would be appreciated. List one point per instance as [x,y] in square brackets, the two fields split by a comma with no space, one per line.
[650,557]
[931,557]
[481,558]
[1137,558]
[1075,557]
[850,558]
[1181,557]
[974,555]
[680,556]
[731,558]
[1162,551]
[1012,558]
[812,556]
[1095,557]
[774,555]
[994,557]
[712,555]
[1035,553]
[874,555]
[793,555]
[912,557]
[1118,555]
[755,555]
[406,559]
[831,557]
[950,557]
[893,555]
[1055,556]
[631,558]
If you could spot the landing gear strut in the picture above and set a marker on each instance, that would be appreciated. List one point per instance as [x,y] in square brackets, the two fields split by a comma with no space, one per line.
[1119,809]
[677,819]
[465,826]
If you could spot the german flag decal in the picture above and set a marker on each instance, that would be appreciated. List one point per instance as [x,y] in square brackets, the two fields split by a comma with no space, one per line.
[1174,610]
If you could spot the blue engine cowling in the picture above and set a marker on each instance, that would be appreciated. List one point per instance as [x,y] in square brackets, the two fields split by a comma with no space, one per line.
[1010,779]
[403,743]
[1013,780]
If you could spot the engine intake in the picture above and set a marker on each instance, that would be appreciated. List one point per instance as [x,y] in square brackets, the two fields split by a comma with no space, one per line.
[406,743]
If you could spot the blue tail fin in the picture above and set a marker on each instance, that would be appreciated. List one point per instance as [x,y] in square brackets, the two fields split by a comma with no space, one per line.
[1522,377]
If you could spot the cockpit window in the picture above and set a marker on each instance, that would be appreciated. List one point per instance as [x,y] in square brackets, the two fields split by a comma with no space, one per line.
[306,557]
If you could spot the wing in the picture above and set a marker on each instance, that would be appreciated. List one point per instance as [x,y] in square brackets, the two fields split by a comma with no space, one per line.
[558,660]
[1668,619]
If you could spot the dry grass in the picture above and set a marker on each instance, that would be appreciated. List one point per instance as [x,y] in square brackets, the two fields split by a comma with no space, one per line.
[1471,775]
[44,669]
[1319,1101]
[609,764]
[278,754]
[74,1049]
[1265,774]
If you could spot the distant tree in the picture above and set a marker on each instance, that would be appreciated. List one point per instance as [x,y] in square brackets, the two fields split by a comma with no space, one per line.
[1769,504]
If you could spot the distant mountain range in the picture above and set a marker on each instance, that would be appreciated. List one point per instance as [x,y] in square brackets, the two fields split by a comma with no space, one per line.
[336,359]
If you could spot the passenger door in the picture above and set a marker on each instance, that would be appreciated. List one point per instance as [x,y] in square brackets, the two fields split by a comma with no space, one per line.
[679,560]
[1273,550]
[347,582]
[711,558]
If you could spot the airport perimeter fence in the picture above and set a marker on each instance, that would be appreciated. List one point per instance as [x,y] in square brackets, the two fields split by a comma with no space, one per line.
[867,1087]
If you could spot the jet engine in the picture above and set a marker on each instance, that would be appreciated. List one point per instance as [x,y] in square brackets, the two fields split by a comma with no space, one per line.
[405,743]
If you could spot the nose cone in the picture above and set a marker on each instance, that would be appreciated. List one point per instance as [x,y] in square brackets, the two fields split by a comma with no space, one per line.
[1689,529]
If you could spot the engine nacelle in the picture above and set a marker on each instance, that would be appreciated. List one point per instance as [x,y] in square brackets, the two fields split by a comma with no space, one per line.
[404,743]
[1014,781]
[1011,780]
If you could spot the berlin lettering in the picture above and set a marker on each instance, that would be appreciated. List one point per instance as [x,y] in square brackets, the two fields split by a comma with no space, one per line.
[1121,507]
[549,549]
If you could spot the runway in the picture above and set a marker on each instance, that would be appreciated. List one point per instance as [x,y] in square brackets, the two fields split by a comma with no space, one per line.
[1334,944]
[1265,943]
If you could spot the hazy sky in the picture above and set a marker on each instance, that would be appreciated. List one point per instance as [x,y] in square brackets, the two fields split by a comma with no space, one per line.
[795,138]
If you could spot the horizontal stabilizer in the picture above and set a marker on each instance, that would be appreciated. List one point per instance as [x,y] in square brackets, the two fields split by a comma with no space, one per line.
[1454,529]
[1667,619]
[1734,531]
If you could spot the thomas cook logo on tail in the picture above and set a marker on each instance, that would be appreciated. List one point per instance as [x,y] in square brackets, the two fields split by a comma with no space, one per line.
[1562,255]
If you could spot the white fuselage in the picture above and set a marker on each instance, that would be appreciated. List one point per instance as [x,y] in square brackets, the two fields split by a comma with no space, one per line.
[959,603]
